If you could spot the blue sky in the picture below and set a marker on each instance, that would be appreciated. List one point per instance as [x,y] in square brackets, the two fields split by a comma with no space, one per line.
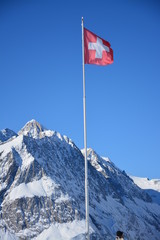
[41,76]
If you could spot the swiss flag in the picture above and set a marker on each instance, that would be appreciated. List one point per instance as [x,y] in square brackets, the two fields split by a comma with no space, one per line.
[96,50]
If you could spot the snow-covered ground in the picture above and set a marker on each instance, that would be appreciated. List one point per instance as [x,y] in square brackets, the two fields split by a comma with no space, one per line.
[6,235]
[67,231]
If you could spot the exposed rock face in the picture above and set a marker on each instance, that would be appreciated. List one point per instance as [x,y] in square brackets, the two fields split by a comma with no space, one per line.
[42,183]
[32,129]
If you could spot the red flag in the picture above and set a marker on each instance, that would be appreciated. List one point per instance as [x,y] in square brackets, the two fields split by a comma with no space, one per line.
[96,50]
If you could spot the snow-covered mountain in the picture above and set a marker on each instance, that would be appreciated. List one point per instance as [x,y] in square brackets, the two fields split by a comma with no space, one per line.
[6,134]
[152,187]
[42,193]
[146,183]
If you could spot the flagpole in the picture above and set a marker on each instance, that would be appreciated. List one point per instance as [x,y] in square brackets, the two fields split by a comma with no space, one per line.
[85,140]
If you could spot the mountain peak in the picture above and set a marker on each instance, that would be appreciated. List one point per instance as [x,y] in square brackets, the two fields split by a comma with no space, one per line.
[32,129]
[6,134]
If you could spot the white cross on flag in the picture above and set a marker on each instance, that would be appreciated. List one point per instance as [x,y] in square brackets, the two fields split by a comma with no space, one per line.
[96,50]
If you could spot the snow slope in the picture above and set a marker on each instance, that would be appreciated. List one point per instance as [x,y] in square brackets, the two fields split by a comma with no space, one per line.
[67,231]
[146,183]
[152,187]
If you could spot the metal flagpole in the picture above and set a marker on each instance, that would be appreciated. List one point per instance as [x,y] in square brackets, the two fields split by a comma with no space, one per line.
[85,141]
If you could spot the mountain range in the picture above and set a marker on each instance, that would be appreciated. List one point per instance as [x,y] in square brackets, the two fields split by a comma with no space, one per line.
[42,193]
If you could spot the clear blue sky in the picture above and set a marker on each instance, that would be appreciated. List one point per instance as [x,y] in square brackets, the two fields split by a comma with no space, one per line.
[41,76]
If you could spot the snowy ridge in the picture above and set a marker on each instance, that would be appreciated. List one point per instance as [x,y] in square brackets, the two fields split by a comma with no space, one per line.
[6,134]
[145,183]
[42,193]
[36,130]
[18,145]
[43,187]
[152,187]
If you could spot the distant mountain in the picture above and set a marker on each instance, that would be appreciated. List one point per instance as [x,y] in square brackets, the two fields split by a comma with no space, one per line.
[146,183]
[6,134]
[152,187]
[42,193]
